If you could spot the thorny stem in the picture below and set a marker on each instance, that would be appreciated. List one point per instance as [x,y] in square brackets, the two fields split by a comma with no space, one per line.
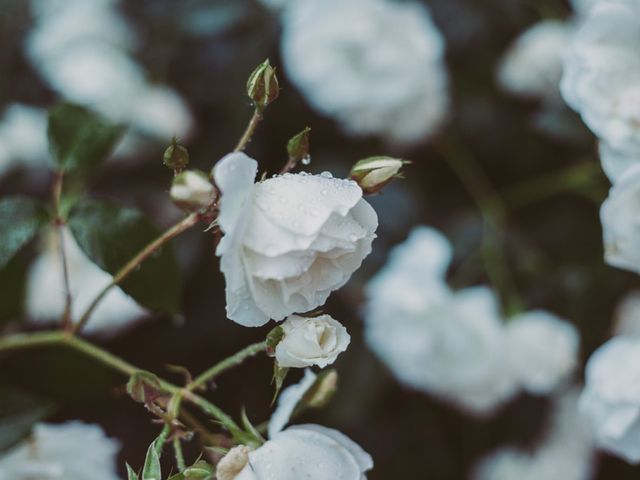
[226,364]
[494,214]
[58,223]
[185,224]
[60,338]
[248,133]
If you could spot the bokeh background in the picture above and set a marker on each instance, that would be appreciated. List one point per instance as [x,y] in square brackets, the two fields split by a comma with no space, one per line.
[204,50]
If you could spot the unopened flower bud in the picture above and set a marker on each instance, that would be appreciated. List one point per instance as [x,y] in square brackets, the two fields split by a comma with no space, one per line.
[233,463]
[201,470]
[373,173]
[298,147]
[262,86]
[322,390]
[273,339]
[176,156]
[192,190]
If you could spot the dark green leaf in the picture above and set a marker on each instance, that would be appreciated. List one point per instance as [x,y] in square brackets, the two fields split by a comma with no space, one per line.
[111,235]
[79,138]
[18,412]
[131,475]
[20,220]
[151,469]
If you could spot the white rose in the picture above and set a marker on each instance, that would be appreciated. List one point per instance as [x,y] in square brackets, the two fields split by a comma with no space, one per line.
[413,319]
[543,350]
[70,451]
[289,240]
[611,397]
[311,341]
[45,296]
[532,67]
[375,66]
[311,452]
[192,189]
[600,79]
[620,217]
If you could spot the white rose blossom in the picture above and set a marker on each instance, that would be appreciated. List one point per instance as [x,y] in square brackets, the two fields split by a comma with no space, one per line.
[311,341]
[543,350]
[375,66]
[448,344]
[23,138]
[532,66]
[84,51]
[289,241]
[601,80]
[69,451]
[45,289]
[627,316]
[620,217]
[611,397]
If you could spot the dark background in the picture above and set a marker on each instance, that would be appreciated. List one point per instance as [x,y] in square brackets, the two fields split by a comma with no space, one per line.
[553,244]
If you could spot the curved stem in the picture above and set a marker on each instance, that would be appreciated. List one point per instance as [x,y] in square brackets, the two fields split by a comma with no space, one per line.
[185,224]
[226,364]
[494,215]
[248,133]
[58,222]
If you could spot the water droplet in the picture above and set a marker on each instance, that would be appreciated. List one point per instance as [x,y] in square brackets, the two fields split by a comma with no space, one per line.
[324,192]
[306,160]
[326,174]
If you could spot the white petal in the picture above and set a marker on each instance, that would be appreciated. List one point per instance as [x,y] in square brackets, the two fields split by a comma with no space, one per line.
[287,401]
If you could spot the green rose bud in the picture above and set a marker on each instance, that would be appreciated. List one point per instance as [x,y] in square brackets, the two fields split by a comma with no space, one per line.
[262,86]
[176,156]
[298,147]
[373,173]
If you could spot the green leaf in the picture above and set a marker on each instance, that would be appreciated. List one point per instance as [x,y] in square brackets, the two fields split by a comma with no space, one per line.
[19,411]
[151,469]
[279,374]
[131,475]
[111,235]
[20,219]
[200,470]
[79,138]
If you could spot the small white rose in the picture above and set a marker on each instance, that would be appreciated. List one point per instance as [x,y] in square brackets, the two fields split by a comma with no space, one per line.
[373,173]
[311,452]
[611,397]
[620,217]
[192,190]
[311,341]
[232,463]
[289,241]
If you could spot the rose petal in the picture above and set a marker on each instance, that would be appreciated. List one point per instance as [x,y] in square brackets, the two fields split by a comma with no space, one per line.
[287,401]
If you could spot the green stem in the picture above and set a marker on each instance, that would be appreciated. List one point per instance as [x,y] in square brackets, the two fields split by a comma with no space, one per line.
[494,215]
[248,133]
[226,364]
[185,224]
[59,338]
[177,449]
[577,178]
[58,223]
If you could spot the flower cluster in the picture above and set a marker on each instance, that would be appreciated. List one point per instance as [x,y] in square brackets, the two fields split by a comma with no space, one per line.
[375,66]
[454,344]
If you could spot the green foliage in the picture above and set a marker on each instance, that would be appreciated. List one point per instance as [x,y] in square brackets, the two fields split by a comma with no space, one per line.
[131,475]
[20,220]
[18,412]
[151,469]
[79,139]
[111,235]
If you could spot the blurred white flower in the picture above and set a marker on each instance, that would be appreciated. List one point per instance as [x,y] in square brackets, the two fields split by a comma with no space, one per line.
[192,188]
[311,341]
[620,217]
[45,297]
[611,397]
[532,66]
[376,66]
[449,344]
[23,137]
[543,350]
[311,452]
[69,451]
[565,453]
[627,321]
[82,49]
[289,240]
[600,80]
